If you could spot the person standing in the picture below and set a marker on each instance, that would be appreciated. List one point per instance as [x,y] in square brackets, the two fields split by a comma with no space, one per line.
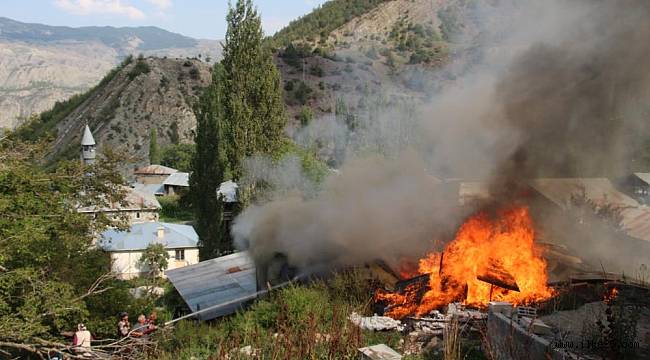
[81,340]
[151,322]
[140,329]
[123,326]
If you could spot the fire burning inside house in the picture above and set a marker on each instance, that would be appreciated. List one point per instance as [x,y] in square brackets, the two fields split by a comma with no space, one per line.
[493,257]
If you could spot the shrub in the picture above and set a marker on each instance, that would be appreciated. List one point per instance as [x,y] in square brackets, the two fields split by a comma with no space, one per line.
[141,67]
[372,53]
[194,73]
[305,116]
[303,93]
[316,70]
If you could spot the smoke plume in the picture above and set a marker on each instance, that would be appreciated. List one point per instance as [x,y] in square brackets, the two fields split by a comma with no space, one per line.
[551,89]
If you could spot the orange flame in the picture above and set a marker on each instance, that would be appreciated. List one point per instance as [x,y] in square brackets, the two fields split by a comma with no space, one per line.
[610,295]
[503,248]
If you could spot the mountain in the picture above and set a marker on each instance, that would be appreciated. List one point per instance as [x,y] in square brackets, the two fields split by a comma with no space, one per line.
[391,51]
[41,64]
[129,101]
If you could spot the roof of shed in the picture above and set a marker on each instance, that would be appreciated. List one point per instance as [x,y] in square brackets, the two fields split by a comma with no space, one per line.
[214,282]
[599,190]
[645,177]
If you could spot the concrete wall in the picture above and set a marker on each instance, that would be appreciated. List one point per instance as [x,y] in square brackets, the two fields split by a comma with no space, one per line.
[510,341]
[125,263]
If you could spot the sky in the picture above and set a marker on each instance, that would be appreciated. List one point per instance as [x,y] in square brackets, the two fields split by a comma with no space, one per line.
[203,19]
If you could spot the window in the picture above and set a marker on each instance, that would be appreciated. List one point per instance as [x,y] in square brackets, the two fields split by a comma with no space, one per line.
[137,215]
[180,254]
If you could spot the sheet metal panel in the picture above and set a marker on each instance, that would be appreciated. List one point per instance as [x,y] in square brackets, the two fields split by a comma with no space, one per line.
[216,281]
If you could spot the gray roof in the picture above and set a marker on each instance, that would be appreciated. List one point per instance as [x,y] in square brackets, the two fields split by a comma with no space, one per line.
[142,235]
[149,189]
[88,137]
[645,177]
[134,200]
[178,179]
[599,190]
[214,282]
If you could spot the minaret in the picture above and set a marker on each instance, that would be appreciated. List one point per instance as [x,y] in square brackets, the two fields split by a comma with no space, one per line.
[88,147]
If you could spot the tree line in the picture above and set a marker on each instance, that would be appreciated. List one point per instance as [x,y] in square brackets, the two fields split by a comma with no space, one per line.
[241,114]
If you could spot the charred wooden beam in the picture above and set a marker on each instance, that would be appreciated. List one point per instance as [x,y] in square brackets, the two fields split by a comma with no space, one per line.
[494,275]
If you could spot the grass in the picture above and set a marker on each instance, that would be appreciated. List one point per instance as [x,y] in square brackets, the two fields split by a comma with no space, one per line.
[297,322]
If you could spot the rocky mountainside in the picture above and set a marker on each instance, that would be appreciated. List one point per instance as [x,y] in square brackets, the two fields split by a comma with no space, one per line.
[42,64]
[398,50]
[131,100]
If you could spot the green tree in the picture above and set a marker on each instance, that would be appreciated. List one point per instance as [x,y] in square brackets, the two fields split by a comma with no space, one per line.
[178,156]
[154,151]
[306,115]
[208,171]
[155,259]
[252,95]
[48,267]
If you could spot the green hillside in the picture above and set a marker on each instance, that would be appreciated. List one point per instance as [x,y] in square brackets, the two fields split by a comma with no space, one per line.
[323,20]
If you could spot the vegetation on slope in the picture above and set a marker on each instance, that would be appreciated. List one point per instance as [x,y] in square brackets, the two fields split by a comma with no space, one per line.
[44,125]
[297,322]
[323,20]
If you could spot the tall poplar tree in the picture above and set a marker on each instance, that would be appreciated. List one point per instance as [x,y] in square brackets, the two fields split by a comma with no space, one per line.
[207,171]
[251,88]
[154,151]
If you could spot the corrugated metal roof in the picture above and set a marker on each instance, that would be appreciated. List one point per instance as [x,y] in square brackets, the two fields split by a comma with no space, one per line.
[645,177]
[88,138]
[133,201]
[155,170]
[214,282]
[599,190]
[149,189]
[178,179]
[636,222]
[142,235]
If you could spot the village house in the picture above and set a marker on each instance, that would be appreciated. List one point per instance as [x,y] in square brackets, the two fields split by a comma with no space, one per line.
[153,174]
[176,183]
[126,247]
[137,207]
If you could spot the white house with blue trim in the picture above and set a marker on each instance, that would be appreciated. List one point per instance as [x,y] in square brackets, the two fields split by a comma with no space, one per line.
[126,247]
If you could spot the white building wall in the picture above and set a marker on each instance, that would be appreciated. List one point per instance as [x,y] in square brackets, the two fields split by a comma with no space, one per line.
[125,263]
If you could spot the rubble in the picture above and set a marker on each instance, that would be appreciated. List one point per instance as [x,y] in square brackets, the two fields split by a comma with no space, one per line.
[375,323]
[500,307]
[379,352]
[535,326]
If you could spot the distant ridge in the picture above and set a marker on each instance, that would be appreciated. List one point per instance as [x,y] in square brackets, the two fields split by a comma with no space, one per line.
[42,64]
[151,37]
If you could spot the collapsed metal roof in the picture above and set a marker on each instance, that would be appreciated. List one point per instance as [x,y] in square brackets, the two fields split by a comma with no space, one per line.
[214,282]
[599,190]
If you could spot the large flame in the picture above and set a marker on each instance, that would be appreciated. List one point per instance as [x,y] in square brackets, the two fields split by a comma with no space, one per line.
[501,249]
